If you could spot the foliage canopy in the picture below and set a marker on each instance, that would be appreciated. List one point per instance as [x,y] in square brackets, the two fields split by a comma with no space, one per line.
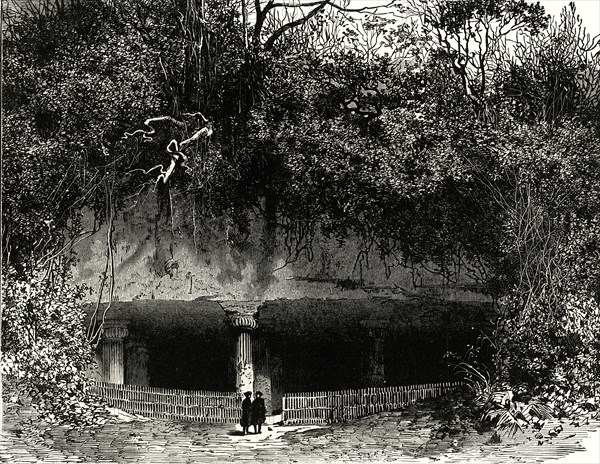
[437,141]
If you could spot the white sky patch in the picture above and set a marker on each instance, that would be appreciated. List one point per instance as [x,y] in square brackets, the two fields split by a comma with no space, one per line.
[589,10]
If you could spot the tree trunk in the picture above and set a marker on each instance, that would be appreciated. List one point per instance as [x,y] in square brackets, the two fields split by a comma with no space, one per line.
[264,273]
[164,262]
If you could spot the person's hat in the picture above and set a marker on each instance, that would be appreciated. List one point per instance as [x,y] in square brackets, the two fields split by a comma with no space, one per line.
[248,394]
[258,393]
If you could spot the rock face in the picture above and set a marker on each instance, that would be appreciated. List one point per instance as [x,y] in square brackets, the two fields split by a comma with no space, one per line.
[217,306]
[167,252]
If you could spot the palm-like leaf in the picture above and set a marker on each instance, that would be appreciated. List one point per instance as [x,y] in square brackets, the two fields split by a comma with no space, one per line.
[539,410]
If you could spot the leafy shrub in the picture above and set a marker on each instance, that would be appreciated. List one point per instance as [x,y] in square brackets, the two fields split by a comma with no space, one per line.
[476,375]
[512,416]
[555,351]
[547,364]
[45,353]
[510,408]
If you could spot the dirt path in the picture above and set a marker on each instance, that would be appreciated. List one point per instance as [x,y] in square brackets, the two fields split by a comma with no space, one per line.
[386,437]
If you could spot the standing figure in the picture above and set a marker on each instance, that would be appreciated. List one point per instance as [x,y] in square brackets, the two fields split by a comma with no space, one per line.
[246,407]
[258,412]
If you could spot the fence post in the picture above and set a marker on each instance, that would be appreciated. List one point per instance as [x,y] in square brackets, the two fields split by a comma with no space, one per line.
[283,407]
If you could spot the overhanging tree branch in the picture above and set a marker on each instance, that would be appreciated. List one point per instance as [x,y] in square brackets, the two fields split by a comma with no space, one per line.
[316,7]
[298,22]
[174,148]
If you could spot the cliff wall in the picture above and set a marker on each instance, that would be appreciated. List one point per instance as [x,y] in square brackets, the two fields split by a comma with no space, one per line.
[189,257]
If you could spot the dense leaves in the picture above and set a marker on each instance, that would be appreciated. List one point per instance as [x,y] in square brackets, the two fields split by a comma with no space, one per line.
[72,86]
[433,142]
[45,353]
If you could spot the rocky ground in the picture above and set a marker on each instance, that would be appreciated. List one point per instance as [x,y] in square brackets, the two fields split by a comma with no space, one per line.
[402,436]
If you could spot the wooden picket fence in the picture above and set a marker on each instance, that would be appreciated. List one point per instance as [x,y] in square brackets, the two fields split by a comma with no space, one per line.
[164,403]
[323,407]
[327,407]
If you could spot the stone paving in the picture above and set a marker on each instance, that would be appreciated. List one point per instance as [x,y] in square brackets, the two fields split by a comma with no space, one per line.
[402,436]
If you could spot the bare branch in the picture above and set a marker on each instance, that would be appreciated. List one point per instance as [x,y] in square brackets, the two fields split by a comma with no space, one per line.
[174,148]
[292,24]
[333,4]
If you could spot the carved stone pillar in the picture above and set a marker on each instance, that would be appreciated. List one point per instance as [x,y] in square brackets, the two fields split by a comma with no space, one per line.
[113,359]
[243,327]
[136,369]
[242,320]
[373,362]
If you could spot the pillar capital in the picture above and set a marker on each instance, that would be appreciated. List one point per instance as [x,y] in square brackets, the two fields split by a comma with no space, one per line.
[240,308]
[375,328]
[243,323]
[115,330]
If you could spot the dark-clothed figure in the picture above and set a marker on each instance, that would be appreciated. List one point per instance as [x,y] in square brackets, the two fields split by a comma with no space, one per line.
[258,412]
[246,408]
